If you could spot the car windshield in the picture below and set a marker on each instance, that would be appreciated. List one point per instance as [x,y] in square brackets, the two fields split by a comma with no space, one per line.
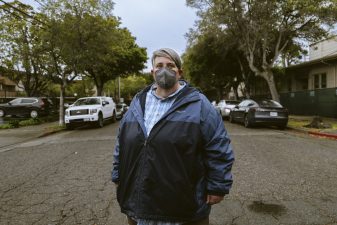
[87,101]
[15,101]
[269,104]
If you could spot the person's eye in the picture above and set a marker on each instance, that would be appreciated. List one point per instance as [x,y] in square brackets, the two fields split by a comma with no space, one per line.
[171,66]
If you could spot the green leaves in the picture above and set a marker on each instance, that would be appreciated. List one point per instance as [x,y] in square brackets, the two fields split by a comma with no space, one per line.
[268,29]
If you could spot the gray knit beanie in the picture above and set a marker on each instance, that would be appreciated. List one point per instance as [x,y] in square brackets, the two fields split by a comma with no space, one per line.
[168,53]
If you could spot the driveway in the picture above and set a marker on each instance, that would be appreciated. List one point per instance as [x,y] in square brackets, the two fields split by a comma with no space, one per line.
[280,178]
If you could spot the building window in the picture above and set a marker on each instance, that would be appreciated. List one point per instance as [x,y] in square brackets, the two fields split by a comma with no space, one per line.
[323,80]
[320,80]
[316,81]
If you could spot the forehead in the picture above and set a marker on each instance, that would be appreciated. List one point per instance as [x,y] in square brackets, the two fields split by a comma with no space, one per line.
[163,60]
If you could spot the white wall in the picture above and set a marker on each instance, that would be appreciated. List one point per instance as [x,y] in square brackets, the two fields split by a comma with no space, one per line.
[322,49]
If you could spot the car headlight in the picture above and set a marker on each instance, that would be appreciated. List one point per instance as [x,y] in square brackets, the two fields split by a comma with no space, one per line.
[92,111]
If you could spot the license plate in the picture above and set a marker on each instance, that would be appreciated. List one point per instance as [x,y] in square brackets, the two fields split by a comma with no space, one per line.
[86,119]
[273,113]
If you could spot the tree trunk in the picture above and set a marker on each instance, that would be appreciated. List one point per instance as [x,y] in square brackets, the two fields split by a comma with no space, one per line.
[236,94]
[269,77]
[62,93]
[99,88]
[218,93]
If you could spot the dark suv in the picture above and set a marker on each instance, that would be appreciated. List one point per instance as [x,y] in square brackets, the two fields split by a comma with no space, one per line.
[27,106]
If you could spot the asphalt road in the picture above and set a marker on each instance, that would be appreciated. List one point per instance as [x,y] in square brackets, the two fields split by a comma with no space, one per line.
[280,178]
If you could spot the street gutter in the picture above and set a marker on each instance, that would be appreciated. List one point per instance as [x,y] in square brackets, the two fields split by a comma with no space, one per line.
[314,133]
[333,136]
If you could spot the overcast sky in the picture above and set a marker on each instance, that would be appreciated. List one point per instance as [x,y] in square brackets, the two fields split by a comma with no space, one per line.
[157,23]
[154,23]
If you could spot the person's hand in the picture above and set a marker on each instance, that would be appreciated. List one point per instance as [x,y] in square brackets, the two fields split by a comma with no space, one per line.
[213,199]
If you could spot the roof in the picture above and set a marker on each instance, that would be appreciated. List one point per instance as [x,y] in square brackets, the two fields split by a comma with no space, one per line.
[6,81]
[324,60]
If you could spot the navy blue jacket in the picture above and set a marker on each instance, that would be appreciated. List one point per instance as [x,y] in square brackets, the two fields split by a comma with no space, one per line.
[167,175]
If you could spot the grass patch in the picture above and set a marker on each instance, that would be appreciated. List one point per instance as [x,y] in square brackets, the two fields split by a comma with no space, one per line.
[6,126]
[30,122]
[295,123]
[14,123]
[301,121]
[20,122]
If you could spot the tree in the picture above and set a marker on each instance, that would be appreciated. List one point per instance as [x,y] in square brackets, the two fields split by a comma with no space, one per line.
[212,61]
[117,54]
[267,28]
[130,85]
[83,40]
[62,40]
[21,48]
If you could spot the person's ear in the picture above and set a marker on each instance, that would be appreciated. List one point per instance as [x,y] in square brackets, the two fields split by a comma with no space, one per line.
[180,73]
[153,74]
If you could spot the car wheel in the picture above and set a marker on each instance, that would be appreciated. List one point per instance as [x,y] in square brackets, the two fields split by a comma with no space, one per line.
[247,123]
[34,114]
[69,126]
[2,113]
[231,118]
[100,122]
[114,117]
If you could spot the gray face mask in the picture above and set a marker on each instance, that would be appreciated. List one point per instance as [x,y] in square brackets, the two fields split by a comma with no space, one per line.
[166,78]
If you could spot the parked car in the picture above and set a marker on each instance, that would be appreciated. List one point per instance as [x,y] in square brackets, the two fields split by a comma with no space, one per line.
[224,107]
[121,109]
[90,110]
[27,106]
[267,112]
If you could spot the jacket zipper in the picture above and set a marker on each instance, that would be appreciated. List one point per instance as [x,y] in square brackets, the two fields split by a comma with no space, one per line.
[140,177]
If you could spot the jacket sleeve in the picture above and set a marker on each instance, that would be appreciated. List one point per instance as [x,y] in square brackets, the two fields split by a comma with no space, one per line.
[116,161]
[219,155]
[115,164]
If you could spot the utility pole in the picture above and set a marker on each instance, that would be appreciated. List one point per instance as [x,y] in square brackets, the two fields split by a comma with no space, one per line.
[119,88]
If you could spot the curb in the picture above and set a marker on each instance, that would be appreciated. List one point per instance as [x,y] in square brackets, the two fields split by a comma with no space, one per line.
[334,136]
[49,133]
[319,134]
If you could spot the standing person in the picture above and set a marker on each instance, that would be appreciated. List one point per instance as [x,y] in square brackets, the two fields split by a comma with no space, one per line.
[173,157]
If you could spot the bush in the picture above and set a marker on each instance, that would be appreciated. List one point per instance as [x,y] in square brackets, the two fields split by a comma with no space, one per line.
[14,123]
[6,126]
[33,121]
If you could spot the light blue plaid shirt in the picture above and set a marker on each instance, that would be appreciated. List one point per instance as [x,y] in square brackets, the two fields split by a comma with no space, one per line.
[156,107]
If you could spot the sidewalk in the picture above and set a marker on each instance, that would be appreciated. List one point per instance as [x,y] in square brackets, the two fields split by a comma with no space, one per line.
[297,123]
[18,135]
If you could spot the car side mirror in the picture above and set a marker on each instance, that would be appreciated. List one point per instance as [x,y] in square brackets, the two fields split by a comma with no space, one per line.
[105,103]
[66,105]
[236,106]
[9,103]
